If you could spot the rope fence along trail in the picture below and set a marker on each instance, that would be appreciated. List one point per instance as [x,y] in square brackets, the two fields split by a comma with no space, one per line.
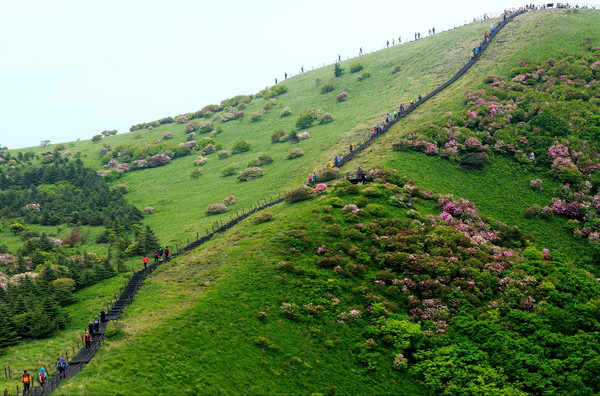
[406,111]
[81,357]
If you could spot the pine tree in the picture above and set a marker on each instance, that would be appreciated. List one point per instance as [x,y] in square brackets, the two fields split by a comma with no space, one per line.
[150,241]
[8,333]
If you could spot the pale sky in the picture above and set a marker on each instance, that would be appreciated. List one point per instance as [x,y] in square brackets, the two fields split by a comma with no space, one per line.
[70,69]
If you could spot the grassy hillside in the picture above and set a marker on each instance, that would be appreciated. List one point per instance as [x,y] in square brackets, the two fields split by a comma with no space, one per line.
[196,327]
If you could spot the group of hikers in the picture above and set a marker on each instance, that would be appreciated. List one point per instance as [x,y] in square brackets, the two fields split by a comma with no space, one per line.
[43,376]
[158,256]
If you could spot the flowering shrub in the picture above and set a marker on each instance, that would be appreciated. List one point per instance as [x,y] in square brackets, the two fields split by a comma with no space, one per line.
[320,187]
[260,161]
[209,149]
[230,200]
[325,118]
[250,174]
[214,209]
[181,119]
[536,184]
[341,97]
[303,135]
[149,209]
[255,117]
[294,153]
[159,160]
[32,206]
[168,135]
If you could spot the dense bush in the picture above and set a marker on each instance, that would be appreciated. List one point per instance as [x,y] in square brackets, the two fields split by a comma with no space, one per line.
[305,120]
[230,200]
[214,209]
[294,153]
[250,174]
[263,217]
[356,67]
[328,174]
[341,97]
[325,118]
[255,116]
[240,146]
[298,194]
[337,70]
[276,136]
[222,154]
[286,112]
[364,76]
[230,170]
[260,161]
[327,88]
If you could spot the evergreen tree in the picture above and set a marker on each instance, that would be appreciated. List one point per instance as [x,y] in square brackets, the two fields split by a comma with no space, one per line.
[8,333]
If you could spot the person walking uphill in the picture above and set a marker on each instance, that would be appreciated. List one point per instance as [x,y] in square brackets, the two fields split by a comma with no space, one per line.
[145,261]
[26,380]
[167,253]
[43,378]
[87,338]
[61,366]
[96,324]
[102,316]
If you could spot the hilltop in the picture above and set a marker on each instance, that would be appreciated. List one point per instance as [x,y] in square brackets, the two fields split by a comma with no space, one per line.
[331,294]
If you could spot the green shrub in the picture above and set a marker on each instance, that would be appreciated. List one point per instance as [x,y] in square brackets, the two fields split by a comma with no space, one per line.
[298,194]
[240,146]
[338,70]
[355,67]
[255,116]
[325,118]
[328,174]
[396,69]
[364,76]
[286,112]
[260,161]
[250,174]
[276,136]
[305,120]
[230,170]
[327,88]
[474,161]
[223,154]
[196,173]
[263,217]
[205,127]
[294,153]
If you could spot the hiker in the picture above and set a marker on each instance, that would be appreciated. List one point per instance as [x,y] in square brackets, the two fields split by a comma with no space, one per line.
[351,147]
[90,327]
[388,44]
[430,32]
[167,253]
[26,380]
[315,178]
[363,177]
[42,378]
[339,58]
[359,172]
[388,117]
[275,81]
[433,30]
[419,35]
[87,338]
[156,256]
[336,160]
[285,75]
[145,261]
[102,315]
[160,253]
[96,324]
[420,97]
[302,69]
[310,182]
[330,163]
[393,41]
[61,366]
[360,51]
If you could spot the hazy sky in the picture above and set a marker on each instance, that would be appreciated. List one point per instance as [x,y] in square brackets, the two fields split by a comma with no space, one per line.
[70,69]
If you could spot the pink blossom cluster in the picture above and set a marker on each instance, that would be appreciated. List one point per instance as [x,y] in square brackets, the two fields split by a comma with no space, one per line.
[303,135]
[350,208]
[32,206]
[320,187]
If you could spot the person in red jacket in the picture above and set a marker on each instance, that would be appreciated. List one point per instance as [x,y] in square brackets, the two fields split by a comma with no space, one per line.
[145,261]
